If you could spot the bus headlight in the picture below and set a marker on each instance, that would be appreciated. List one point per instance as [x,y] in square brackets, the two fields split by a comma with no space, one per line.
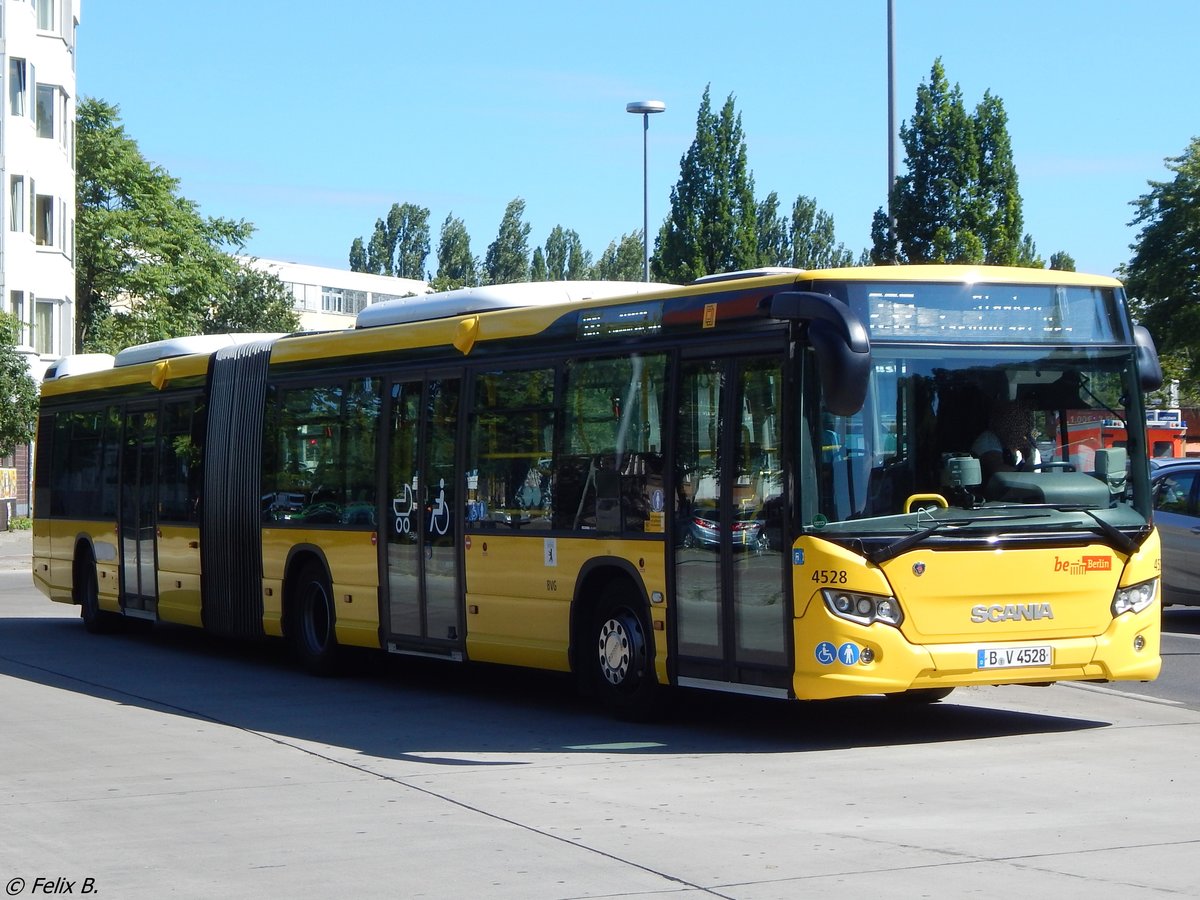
[863,608]
[1134,598]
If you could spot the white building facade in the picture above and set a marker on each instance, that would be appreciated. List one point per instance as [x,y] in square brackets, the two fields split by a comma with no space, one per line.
[37,174]
[329,299]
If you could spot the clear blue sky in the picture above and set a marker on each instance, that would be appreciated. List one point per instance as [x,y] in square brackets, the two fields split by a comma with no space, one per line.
[309,119]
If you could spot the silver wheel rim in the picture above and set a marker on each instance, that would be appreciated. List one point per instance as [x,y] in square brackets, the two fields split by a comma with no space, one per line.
[616,651]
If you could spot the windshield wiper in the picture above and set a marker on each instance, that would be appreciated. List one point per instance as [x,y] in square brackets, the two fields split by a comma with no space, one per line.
[911,540]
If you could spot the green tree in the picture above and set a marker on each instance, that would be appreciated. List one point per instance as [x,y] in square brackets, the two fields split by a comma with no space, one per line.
[358,256]
[712,225]
[565,257]
[959,199]
[399,244]
[1062,261]
[814,245]
[18,392]
[1164,273]
[148,266]
[1001,219]
[623,260]
[254,301]
[537,268]
[935,201]
[457,266]
[507,258]
[774,235]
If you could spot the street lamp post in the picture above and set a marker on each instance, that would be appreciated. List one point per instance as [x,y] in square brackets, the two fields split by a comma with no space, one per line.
[645,108]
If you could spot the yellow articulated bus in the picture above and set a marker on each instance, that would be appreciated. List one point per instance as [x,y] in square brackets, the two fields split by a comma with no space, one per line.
[802,484]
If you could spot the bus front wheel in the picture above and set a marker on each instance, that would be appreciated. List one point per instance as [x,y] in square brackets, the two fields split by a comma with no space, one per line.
[620,660]
[312,634]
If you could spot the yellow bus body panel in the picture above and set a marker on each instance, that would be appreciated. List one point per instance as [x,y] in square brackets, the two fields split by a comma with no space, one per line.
[179,575]
[54,542]
[520,588]
[1020,597]
[353,561]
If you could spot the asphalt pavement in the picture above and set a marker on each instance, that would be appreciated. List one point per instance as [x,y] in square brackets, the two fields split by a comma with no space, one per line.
[170,764]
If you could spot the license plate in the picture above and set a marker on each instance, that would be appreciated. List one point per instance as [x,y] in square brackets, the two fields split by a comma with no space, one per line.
[1014,657]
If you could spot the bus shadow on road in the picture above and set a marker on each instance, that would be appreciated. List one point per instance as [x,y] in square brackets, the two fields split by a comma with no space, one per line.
[435,712]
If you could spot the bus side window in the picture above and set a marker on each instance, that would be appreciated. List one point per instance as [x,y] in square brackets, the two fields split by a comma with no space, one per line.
[610,463]
[510,470]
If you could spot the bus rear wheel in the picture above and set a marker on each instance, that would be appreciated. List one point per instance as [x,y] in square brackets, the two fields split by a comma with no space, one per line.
[619,659]
[95,619]
[312,633]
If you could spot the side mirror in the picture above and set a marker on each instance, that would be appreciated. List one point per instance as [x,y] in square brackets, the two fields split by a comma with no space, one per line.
[1149,368]
[840,341]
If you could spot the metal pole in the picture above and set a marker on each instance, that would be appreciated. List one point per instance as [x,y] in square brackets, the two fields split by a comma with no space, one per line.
[891,101]
[646,195]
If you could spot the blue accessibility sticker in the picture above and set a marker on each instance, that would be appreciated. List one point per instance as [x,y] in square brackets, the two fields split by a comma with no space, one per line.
[848,653]
[797,557]
[826,653]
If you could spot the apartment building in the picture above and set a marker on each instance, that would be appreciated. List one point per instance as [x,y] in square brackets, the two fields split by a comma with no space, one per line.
[37,173]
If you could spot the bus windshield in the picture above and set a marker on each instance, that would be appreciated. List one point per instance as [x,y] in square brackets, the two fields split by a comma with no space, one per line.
[987,439]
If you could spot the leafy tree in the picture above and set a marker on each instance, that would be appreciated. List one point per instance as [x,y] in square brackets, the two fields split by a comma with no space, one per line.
[537,268]
[711,227]
[565,257]
[1001,219]
[457,266]
[398,246]
[507,257]
[774,235]
[1164,273]
[813,242]
[358,256]
[18,393]
[1062,261]
[254,301]
[935,205]
[148,265]
[623,260]
[959,200]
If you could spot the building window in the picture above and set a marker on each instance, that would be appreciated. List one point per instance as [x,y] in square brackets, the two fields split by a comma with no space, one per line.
[45,15]
[16,306]
[43,326]
[356,302]
[332,299]
[17,87]
[44,221]
[45,110]
[16,203]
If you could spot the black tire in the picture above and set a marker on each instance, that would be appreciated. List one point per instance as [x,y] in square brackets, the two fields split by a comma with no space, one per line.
[618,656]
[921,695]
[95,619]
[311,621]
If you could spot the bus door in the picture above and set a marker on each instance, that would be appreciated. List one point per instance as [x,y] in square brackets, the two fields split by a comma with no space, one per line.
[135,516]
[422,561]
[732,603]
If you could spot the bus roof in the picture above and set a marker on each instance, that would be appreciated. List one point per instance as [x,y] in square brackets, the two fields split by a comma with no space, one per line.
[964,274]
[185,346]
[465,301]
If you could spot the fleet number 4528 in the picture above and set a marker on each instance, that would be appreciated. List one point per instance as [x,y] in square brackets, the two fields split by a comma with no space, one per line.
[829,576]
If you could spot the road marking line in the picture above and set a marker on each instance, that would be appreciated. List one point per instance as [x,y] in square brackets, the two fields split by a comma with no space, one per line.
[1101,689]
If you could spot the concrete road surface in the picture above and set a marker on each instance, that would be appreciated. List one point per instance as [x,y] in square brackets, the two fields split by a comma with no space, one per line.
[170,764]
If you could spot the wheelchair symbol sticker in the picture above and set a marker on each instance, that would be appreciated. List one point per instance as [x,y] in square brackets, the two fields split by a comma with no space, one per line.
[826,653]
